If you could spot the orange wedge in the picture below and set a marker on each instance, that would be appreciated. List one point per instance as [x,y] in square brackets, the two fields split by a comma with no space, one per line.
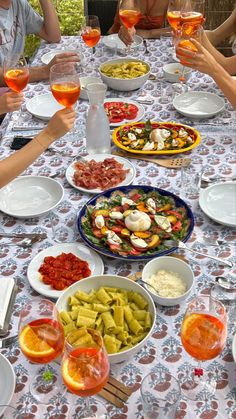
[31,344]
[14,73]
[71,374]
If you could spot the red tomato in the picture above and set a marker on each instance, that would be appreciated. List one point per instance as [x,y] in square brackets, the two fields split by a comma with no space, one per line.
[177,226]
[118,111]
[175,213]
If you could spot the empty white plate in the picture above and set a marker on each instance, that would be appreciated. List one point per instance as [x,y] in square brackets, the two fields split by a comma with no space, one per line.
[80,250]
[43,106]
[7,382]
[113,41]
[199,104]
[218,201]
[30,196]
[46,58]
[99,158]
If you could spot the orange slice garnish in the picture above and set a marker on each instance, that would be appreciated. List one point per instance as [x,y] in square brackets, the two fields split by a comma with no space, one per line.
[31,344]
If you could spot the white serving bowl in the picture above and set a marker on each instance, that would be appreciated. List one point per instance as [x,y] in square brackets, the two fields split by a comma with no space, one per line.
[169,263]
[84,81]
[124,85]
[94,282]
[173,71]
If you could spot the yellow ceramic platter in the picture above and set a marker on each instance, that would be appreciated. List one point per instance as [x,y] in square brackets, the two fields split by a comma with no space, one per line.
[168,125]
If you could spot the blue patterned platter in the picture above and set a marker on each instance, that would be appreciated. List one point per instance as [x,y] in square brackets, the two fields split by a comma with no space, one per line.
[97,238]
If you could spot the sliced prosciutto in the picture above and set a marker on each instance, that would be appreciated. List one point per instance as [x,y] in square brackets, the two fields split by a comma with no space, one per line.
[99,175]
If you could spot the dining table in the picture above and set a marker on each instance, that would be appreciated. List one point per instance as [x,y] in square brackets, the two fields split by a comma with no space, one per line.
[215,155]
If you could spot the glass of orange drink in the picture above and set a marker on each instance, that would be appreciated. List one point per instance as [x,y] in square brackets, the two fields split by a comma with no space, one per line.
[41,339]
[203,335]
[91,33]
[65,83]
[185,11]
[85,370]
[129,13]
[16,73]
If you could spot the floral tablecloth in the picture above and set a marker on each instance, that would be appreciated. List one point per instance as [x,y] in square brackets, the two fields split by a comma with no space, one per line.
[163,351]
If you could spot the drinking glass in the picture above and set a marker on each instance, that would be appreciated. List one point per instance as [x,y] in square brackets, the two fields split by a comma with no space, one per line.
[203,335]
[129,14]
[16,73]
[65,83]
[85,368]
[174,13]
[41,339]
[185,11]
[160,394]
[91,33]
[182,39]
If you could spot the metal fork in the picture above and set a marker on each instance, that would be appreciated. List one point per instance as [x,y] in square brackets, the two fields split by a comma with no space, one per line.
[146,52]
[6,342]
[182,245]
[27,242]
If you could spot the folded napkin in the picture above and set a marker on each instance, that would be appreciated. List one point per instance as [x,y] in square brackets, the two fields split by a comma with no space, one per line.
[6,288]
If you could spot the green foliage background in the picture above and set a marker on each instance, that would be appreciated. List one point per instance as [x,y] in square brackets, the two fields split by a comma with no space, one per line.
[70,14]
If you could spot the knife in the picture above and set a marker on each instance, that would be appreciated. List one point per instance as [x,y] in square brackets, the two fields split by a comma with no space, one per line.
[27,128]
[24,235]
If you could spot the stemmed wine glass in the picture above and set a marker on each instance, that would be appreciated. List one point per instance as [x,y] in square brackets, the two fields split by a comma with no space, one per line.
[129,14]
[185,11]
[85,368]
[41,339]
[91,33]
[203,335]
[174,13]
[182,39]
[16,73]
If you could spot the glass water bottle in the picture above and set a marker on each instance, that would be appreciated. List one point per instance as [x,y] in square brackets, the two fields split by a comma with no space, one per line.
[97,124]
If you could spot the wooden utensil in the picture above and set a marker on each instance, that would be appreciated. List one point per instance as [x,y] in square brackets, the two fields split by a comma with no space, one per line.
[115,392]
[173,163]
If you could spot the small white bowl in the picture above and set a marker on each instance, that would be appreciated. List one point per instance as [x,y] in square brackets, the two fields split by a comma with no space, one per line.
[124,85]
[94,282]
[173,71]
[172,264]
[84,81]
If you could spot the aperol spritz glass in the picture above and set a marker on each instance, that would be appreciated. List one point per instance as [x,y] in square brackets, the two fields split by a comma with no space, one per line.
[91,34]
[85,369]
[65,83]
[185,11]
[41,339]
[203,335]
[129,14]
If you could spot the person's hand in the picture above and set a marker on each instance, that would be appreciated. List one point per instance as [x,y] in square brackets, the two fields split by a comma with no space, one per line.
[10,102]
[200,60]
[61,122]
[66,57]
[126,35]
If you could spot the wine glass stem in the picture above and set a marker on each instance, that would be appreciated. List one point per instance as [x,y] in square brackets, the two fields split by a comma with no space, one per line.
[88,411]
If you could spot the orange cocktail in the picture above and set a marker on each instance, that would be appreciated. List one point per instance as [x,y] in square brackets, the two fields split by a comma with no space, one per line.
[193,19]
[91,37]
[185,44]
[203,336]
[17,79]
[129,18]
[66,93]
[174,19]
[42,340]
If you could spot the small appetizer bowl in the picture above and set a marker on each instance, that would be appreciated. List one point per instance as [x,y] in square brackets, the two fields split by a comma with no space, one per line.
[115,281]
[124,85]
[173,71]
[173,265]
[84,81]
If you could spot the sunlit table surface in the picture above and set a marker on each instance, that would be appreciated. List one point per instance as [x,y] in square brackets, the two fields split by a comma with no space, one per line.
[163,351]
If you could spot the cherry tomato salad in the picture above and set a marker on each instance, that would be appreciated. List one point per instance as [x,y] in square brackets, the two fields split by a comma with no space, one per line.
[120,111]
[136,223]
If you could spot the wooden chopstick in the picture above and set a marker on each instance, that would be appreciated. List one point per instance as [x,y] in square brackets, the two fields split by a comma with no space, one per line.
[115,392]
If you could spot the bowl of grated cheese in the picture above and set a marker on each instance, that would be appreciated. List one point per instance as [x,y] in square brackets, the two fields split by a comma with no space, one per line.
[172,278]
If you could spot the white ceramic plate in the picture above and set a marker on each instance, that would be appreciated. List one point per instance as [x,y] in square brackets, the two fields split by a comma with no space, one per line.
[140,114]
[218,201]
[30,196]
[7,382]
[46,58]
[199,105]
[43,106]
[100,157]
[81,251]
[234,348]
[113,41]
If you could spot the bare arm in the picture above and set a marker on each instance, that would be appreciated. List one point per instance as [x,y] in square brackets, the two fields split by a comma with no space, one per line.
[15,164]
[228,63]
[224,31]
[203,61]
[50,30]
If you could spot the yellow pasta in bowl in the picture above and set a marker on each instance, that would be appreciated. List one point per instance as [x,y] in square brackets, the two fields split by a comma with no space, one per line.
[124,74]
[120,309]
